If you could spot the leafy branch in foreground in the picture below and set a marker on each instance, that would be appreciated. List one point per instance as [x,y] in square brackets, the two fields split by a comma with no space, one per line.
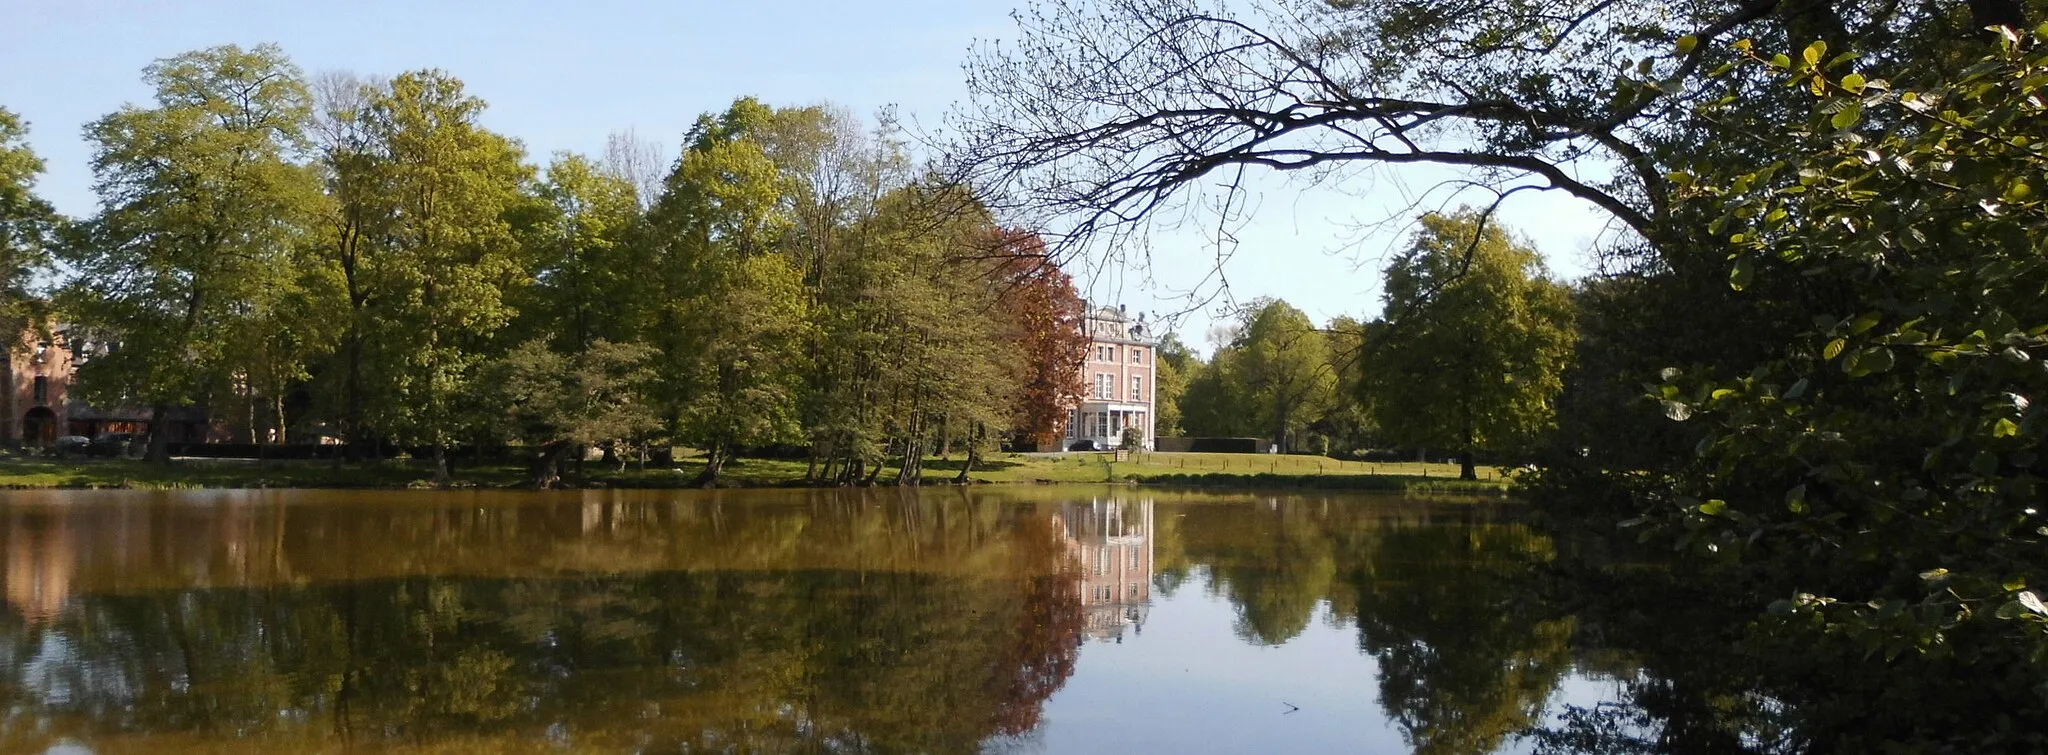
[1892,456]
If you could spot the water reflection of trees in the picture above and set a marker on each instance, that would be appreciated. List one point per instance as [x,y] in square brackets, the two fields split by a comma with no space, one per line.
[787,622]
[871,624]
[1432,590]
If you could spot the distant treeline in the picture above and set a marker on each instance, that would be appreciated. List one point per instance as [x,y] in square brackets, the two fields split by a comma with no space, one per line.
[359,258]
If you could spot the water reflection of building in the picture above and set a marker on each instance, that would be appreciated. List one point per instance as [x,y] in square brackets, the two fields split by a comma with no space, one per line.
[1110,542]
[40,565]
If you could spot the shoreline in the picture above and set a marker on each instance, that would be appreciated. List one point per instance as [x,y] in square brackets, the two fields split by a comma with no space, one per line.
[396,475]
[1155,472]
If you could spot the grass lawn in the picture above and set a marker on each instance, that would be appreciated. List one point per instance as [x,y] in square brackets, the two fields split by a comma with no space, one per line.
[1188,469]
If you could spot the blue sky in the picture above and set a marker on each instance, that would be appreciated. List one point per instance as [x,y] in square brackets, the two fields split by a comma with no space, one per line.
[563,75]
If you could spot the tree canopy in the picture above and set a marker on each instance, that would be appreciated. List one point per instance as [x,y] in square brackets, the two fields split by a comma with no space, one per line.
[1472,350]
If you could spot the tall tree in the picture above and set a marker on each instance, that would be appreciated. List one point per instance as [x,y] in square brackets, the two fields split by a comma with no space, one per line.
[28,225]
[1281,368]
[353,219]
[201,209]
[583,254]
[1172,367]
[1474,344]
[728,311]
[1046,323]
[447,191]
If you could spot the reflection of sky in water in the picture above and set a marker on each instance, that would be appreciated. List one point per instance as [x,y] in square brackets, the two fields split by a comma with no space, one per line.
[1188,683]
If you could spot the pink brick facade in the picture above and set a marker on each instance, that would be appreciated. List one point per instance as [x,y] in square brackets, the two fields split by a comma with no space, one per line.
[1119,381]
[40,375]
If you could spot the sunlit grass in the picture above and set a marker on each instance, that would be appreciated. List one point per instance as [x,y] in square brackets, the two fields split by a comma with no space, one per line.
[1194,469]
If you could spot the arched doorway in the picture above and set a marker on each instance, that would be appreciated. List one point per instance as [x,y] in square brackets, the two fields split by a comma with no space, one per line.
[39,427]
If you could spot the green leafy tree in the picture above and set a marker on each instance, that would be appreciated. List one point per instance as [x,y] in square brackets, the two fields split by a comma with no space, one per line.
[1892,450]
[1474,342]
[728,312]
[1211,406]
[584,257]
[194,247]
[1280,367]
[558,402]
[1172,364]
[446,191]
[28,228]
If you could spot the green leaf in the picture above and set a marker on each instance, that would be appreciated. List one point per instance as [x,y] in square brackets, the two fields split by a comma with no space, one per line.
[1932,575]
[1714,507]
[1739,276]
[1687,43]
[1781,61]
[1814,52]
[1834,348]
[2005,428]
[1854,82]
[1847,118]
[1795,499]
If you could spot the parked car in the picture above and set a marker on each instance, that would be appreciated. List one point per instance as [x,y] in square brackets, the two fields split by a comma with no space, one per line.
[1083,444]
[70,444]
[111,444]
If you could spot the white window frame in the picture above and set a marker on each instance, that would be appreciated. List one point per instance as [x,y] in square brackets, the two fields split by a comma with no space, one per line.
[1137,388]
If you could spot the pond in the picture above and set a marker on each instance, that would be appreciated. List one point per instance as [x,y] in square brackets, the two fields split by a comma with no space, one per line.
[1032,619]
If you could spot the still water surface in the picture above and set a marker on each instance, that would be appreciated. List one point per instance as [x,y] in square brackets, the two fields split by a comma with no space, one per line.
[1016,620]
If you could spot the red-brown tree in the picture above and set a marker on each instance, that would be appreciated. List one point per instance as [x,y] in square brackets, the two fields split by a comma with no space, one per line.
[1045,314]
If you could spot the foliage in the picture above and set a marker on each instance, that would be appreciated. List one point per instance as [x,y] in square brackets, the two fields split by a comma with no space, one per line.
[28,230]
[1046,319]
[192,257]
[447,190]
[557,402]
[1894,443]
[1474,341]
[727,312]
[28,225]
[1172,363]
[1280,369]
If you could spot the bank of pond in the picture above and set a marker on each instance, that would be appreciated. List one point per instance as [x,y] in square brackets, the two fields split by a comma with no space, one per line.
[1204,470]
[984,618]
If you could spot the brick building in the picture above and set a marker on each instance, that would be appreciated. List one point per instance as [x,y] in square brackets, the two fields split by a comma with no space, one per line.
[39,405]
[39,380]
[1119,378]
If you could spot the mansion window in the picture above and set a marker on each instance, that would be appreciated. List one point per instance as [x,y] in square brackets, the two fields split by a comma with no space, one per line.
[1103,387]
[42,389]
[1137,355]
[1137,388]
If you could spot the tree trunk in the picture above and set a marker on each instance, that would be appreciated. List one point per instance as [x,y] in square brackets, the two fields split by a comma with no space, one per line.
[714,462]
[547,467]
[352,414]
[1466,470]
[973,454]
[159,435]
[441,476]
